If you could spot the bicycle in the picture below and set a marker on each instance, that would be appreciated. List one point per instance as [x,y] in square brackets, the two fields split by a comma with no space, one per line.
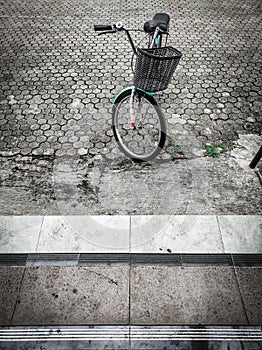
[138,123]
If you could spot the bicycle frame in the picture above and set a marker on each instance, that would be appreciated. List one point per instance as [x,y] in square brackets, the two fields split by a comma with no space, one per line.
[130,40]
[151,41]
[154,39]
[138,124]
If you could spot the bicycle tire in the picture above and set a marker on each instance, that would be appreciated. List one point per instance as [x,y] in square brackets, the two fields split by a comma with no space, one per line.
[151,128]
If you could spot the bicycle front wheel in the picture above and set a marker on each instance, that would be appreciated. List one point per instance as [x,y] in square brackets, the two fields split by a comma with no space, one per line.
[144,137]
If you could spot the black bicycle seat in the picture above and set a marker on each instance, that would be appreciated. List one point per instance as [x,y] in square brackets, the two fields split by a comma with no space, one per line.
[160,20]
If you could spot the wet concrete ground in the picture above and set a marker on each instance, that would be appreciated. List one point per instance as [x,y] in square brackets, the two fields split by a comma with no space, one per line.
[102,186]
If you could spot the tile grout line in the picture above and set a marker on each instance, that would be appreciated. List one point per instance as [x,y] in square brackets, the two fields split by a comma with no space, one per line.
[241,295]
[129,285]
[18,295]
[38,239]
[220,231]
[234,269]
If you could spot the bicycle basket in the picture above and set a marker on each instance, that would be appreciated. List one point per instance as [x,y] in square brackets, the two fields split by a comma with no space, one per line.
[154,67]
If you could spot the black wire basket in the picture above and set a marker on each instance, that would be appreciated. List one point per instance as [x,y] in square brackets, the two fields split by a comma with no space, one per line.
[154,68]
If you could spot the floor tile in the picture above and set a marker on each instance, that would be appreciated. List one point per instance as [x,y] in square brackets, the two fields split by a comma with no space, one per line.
[10,279]
[177,234]
[19,234]
[53,295]
[84,234]
[241,233]
[175,295]
[250,281]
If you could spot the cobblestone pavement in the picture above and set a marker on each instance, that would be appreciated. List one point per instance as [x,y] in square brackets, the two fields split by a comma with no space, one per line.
[58,78]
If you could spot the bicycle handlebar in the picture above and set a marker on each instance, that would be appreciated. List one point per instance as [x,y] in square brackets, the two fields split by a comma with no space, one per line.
[103,27]
[113,28]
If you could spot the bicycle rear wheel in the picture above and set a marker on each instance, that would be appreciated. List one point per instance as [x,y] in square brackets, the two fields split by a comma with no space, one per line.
[143,139]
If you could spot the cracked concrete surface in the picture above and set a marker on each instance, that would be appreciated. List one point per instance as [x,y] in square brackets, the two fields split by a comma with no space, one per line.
[115,185]
[245,148]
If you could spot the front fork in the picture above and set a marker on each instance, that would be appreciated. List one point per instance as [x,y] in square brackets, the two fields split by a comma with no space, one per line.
[134,113]
[132,108]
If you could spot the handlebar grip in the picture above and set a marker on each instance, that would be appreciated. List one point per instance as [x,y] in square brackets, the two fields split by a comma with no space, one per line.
[103,27]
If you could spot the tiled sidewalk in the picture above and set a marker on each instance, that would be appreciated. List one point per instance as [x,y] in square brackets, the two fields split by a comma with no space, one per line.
[136,234]
[118,293]
[87,285]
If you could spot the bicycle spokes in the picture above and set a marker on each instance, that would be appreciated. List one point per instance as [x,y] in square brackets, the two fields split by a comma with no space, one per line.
[143,134]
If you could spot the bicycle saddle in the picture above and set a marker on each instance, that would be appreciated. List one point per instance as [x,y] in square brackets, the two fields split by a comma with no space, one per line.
[160,20]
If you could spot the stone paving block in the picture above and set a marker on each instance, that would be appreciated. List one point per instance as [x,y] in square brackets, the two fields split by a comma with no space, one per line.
[53,295]
[57,88]
[10,280]
[19,234]
[195,295]
[216,89]
[250,282]
[241,233]
[84,234]
[176,234]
